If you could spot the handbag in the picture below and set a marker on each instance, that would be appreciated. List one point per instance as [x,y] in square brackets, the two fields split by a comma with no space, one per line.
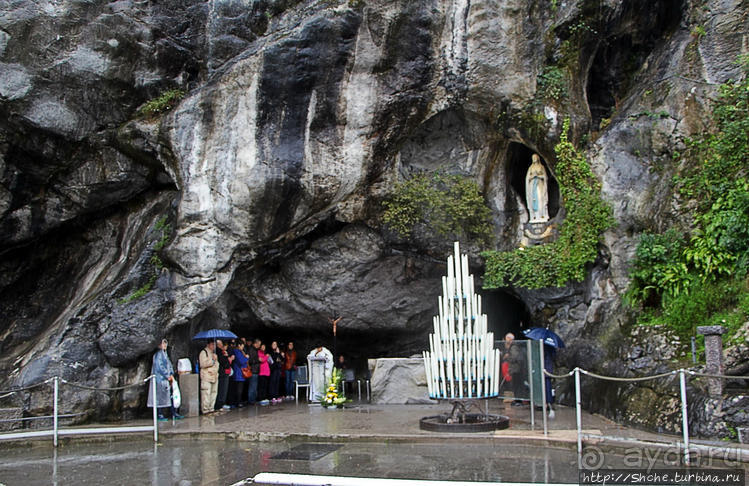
[246,372]
[506,371]
[176,395]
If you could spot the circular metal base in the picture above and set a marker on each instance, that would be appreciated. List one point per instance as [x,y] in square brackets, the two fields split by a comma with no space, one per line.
[474,422]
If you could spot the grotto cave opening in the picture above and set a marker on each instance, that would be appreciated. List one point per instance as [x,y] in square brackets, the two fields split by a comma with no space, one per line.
[518,161]
[505,313]
[619,57]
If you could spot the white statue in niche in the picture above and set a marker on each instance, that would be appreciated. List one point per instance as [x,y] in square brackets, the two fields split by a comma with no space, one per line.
[536,194]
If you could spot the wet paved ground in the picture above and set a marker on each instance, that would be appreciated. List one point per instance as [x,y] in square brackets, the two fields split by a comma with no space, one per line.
[363,440]
[223,462]
[371,421]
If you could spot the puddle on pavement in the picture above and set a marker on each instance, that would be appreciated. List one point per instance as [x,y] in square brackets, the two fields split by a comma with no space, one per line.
[310,451]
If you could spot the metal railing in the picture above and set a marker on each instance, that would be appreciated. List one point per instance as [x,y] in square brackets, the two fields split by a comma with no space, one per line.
[57,431]
[684,446]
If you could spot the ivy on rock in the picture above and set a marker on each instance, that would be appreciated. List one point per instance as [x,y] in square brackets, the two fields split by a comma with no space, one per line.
[164,230]
[450,205]
[686,279]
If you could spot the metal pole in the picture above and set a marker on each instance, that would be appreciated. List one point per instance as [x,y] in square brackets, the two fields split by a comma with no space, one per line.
[54,419]
[530,380]
[543,386]
[54,467]
[694,351]
[684,418]
[579,418]
[155,410]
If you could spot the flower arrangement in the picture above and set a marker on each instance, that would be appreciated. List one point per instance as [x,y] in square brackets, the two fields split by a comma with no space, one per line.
[332,397]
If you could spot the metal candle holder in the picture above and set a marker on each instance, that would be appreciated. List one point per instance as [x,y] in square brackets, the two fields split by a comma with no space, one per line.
[462,364]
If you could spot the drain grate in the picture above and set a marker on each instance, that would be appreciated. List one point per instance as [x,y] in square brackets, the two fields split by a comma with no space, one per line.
[307,452]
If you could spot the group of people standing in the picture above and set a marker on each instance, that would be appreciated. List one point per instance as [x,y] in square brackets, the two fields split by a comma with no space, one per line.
[244,372]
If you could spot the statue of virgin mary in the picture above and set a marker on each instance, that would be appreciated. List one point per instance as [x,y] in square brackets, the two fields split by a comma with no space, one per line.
[536,194]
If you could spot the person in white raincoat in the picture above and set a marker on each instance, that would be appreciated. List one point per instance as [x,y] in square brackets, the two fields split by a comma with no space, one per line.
[162,369]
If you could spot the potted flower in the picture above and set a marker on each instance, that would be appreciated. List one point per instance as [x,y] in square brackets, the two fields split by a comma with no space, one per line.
[333,399]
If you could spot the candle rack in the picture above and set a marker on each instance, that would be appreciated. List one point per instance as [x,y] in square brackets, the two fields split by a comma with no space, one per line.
[461,364]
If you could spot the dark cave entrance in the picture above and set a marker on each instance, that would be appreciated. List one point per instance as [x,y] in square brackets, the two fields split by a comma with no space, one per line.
[518,162]
[505,313]
[355,345]
[618,59]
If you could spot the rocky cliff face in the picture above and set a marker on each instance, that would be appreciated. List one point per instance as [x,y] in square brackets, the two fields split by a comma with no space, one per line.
[255,203]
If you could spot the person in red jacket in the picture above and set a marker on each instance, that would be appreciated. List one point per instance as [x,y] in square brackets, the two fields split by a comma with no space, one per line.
[290,369]
[263,381]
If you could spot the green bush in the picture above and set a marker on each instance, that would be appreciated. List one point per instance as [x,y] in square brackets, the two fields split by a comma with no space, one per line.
[724,302]
[165,102]
[658,268]
[142,290]
[588,216]
[451,205]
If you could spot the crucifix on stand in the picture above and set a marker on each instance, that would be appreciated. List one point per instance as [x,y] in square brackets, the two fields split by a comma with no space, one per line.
[335,339]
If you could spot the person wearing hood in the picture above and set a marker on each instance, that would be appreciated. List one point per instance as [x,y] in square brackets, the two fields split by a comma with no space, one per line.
[163,373]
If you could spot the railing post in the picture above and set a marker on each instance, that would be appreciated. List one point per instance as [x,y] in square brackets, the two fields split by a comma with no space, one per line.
[579,418]
[155,410]
[55,411]
[543,385]
[529,353]
[684,417]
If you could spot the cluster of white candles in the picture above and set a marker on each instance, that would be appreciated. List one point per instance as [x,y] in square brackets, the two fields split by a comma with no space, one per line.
[462,362]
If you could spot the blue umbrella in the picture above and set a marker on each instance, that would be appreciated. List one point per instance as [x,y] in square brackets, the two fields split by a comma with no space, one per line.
[542,334]
[215,334]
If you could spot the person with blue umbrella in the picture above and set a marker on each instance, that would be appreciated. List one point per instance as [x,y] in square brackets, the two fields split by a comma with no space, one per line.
[209,367]
[552,342]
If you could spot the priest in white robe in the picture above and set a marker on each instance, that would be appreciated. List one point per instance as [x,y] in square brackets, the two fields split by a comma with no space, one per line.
[320,362]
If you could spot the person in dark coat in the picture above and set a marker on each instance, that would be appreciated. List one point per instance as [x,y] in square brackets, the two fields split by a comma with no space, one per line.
[275,372]
[254,363]
[550,353]
[224,372]
[238,383]
[516,367]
